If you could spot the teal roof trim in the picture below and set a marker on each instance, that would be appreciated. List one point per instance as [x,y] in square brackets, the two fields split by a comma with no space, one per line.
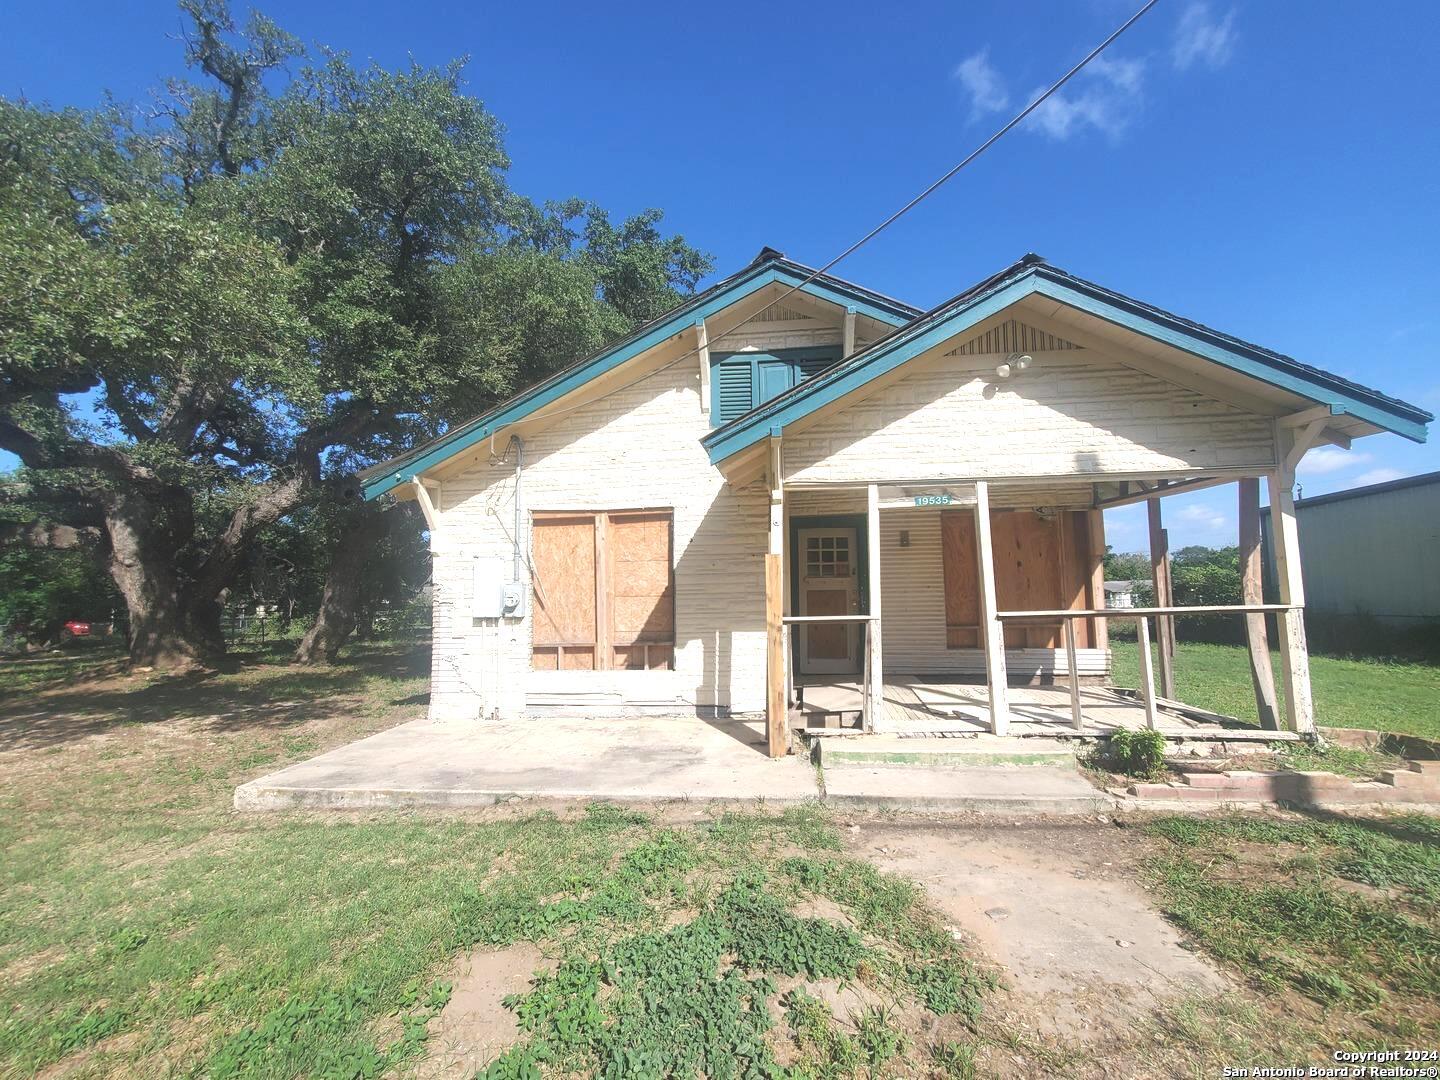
[379,479]
[1028,278]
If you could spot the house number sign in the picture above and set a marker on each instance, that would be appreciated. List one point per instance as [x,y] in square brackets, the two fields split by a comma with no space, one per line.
[908,498]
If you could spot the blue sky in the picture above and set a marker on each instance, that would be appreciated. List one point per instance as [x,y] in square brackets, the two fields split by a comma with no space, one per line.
[1269,169]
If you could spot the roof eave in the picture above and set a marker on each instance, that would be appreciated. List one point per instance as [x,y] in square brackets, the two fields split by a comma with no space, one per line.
[379,479]
[1009,288]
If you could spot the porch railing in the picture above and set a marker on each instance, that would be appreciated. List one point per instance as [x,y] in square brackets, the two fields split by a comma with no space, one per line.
[866,719]
[1142,617]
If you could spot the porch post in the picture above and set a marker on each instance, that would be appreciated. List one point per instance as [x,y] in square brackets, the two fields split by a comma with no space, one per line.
[1294,655]
[1164,596]
[777,735]
[1252,592]
[994,634]
[875,689]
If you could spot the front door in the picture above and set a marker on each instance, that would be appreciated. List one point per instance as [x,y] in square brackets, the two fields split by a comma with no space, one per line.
[829,585]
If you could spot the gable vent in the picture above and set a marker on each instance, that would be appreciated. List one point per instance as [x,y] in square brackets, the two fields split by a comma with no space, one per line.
[1013,336]
[780,313]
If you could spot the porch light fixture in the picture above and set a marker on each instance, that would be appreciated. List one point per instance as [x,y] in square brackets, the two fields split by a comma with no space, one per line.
[1014,362]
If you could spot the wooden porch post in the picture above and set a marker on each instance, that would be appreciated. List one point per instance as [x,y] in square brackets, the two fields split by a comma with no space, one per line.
[1164,596]
[777,734]
[1252,592]
[1294,655]
[990,627]
[1100,629]
[875,702]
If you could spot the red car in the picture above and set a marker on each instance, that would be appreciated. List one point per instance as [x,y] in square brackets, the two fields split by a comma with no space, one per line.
[75,628]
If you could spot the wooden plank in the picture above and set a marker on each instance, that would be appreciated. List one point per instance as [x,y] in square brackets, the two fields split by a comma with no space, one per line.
[777,737]
[1294,655]
[1027,573]
[995,675]
[958,560]
[1099,628]
[641,589]
[1072,671]
[848,334]
[1146,492]
[1262,677]
[564,594]
[604,592]
[1164,596]
[1136,612]
[1147,673]
[874,659]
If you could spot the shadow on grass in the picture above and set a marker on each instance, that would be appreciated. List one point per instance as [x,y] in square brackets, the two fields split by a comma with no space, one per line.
[256,690]
[1415,828]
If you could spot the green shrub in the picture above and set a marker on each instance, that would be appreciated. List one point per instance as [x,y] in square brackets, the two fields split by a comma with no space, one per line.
[1136,753]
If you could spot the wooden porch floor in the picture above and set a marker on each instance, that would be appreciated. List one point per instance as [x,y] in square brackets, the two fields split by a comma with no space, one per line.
[916,706]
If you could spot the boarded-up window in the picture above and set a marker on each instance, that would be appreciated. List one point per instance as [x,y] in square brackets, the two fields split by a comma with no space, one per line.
[1042,563]
[604,595]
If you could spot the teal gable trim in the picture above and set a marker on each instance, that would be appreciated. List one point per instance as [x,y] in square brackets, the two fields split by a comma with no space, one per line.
[405,468]
[885,355]
[929,331]
[1298,382]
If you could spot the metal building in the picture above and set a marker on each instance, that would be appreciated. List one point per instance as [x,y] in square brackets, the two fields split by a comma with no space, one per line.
[1371,551]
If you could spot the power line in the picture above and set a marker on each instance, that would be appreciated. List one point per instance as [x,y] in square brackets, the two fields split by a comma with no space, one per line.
[940,182]
[991,141]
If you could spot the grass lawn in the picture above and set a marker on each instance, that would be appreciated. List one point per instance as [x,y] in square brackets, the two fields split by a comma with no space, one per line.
[145,927]
[1385,696]
[1340,914]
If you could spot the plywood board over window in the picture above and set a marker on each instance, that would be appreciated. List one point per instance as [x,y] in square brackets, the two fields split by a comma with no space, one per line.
[1042,563]
[604,596]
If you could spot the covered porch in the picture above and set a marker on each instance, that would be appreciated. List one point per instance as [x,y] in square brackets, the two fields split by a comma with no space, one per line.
[1035,669]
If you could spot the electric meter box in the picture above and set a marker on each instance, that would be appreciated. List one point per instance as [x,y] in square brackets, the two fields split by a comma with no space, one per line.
[493,595]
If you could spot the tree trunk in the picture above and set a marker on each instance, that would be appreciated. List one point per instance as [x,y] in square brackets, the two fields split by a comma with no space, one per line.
[142,566]
[361,527]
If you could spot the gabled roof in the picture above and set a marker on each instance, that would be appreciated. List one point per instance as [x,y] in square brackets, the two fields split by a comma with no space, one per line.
[1029,276]
[768,267]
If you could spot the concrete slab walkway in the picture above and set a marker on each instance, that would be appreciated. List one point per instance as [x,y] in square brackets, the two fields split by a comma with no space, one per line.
[475,763]
[478,763]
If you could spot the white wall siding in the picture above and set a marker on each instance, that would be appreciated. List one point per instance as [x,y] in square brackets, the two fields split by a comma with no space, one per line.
[1073,413]
[638,447]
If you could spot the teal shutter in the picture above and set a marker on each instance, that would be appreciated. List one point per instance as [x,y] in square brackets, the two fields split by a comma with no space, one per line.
[741,381]
[732,386]
[807,366]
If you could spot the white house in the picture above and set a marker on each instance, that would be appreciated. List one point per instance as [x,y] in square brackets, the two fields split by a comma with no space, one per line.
[897,487]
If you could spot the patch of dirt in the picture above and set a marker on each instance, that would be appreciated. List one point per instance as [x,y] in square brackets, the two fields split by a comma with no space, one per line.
[475,1027]
[1085,954]
[822,907]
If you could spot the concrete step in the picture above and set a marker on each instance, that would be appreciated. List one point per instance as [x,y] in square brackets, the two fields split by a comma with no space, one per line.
[976,751]
[962,788]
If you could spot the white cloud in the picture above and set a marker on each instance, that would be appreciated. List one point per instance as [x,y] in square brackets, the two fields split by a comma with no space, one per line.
[1203,521]
[1201,38]
[1330,459]
[1109,94]
[983,83]
[1378,476]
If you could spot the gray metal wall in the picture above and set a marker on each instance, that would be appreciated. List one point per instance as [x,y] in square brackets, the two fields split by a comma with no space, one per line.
[1374,554]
